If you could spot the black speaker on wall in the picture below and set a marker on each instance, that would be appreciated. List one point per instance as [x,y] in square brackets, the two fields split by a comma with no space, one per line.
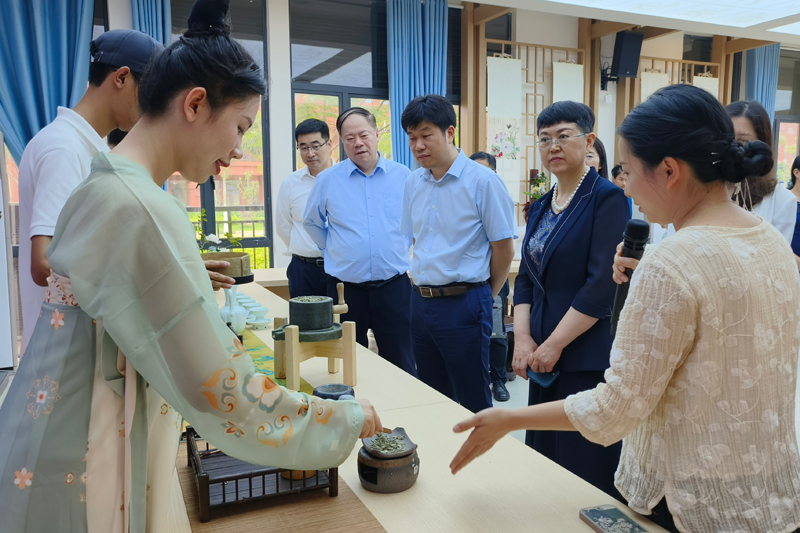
[627,49]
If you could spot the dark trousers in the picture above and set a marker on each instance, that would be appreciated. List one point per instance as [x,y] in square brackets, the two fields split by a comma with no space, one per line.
[497,360]
[451,344]
[386,311]
[306,279]
[591,462]
[498,349]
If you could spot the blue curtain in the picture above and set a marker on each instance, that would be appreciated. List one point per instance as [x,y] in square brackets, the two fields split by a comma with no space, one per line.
[417,50]
[153,17]
[44,61]
[761,78]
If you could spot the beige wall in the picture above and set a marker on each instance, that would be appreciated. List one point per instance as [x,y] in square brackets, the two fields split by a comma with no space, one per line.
[544,28]
[668,47]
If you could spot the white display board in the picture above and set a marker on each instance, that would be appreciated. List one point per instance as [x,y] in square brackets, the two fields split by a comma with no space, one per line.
[504,109]
[709,84]
[567,82]
[651,82]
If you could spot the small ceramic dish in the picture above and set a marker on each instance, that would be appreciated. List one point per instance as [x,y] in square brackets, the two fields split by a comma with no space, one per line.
[257,312]
[408,450]
[259,323]
[250,305]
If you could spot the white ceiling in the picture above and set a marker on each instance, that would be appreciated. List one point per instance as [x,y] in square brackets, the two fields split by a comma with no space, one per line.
[773,20]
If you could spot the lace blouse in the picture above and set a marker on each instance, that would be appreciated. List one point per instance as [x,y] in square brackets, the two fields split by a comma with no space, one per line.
[540,236]
[702,383]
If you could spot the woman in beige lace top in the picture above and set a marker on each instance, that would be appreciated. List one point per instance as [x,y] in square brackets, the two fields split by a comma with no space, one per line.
[702,380]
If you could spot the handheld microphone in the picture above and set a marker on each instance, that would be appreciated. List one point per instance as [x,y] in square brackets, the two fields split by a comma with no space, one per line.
[637,233]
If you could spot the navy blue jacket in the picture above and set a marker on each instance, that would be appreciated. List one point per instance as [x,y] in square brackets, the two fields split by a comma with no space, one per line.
[576,270]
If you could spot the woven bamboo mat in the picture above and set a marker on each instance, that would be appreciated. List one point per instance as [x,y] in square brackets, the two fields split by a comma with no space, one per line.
[311,511]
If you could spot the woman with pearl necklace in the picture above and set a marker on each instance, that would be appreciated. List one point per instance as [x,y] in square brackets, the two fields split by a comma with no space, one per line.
[562,297]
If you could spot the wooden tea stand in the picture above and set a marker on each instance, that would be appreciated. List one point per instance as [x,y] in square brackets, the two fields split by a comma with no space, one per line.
[289,353]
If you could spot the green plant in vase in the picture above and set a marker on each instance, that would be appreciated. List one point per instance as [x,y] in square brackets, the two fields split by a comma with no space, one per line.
[537,187]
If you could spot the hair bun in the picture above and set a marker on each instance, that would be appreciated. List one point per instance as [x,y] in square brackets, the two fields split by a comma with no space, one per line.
[208,16]
[741,161]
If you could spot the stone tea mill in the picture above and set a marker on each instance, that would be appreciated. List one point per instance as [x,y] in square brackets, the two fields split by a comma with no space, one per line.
[314,330]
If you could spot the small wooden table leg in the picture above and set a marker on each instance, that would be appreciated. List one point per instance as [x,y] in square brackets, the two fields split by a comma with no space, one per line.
[333,365]
[203,497]
[349,353]
[333,479]
[280,352]
[292,347]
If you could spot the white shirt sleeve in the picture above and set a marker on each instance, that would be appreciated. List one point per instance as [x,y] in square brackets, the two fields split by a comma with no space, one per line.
[57,173]
[785,215]
[283,216]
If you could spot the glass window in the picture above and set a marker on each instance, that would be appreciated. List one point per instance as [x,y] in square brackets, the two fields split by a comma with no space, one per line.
[379,108]
[339,42]
[697,48]
[322,107]
[787,100]
[100,23]
[454,53]
[239,190]
[788,147]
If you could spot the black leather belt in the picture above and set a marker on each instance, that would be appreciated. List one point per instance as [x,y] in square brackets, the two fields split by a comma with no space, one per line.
[451,289]
[377,284]
[319,261]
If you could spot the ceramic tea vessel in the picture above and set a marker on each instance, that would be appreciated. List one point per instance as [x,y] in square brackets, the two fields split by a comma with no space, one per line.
[233,313]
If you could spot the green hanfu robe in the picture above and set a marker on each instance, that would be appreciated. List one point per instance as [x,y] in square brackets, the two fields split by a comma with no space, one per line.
[88,436]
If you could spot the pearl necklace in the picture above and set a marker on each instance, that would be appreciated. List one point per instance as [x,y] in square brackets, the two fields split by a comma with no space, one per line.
[554,202]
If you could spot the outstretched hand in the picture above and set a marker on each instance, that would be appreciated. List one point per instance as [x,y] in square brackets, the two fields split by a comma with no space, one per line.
[490,425]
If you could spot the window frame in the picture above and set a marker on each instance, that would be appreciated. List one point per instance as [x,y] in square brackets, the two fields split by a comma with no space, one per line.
[345,94]
[207,202]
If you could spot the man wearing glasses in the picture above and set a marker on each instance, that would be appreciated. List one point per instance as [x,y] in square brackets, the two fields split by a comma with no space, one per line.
[353,214]
[306,271]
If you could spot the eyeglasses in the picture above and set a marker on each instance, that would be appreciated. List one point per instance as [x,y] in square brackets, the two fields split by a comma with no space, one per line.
[316,147]
[545,144]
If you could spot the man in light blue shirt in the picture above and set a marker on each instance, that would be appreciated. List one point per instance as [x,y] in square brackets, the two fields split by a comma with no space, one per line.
[353,214]
[461,218]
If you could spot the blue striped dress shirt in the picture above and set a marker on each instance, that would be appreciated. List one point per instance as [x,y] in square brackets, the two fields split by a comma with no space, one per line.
[355,220]
[454,220]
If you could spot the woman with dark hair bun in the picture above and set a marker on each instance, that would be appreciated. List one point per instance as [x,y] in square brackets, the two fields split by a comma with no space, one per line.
[91,434]
[704,364]
[762,194]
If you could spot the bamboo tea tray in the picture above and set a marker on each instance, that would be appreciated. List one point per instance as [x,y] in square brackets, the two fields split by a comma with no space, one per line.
[224,480]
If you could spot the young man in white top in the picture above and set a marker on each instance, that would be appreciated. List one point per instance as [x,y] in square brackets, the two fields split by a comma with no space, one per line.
[59,157]
[306,271]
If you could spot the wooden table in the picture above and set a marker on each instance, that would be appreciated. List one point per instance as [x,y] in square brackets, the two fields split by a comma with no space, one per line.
[275,280]
[510,488]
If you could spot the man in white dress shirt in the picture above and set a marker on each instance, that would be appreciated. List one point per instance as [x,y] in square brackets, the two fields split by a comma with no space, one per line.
[306,271]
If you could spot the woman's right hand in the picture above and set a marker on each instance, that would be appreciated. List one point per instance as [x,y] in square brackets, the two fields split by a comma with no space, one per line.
[524,347]
[372,422]
[621,264]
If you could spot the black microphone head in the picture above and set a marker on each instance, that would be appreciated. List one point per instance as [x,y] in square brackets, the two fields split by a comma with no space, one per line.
[637,230]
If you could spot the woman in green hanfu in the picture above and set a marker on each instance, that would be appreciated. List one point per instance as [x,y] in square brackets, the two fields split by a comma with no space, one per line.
[130,334]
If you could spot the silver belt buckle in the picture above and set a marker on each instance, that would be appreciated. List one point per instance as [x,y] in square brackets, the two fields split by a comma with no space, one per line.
[422,292]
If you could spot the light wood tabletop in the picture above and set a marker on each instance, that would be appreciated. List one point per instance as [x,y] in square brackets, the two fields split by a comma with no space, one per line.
[276,281]
[510,488]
